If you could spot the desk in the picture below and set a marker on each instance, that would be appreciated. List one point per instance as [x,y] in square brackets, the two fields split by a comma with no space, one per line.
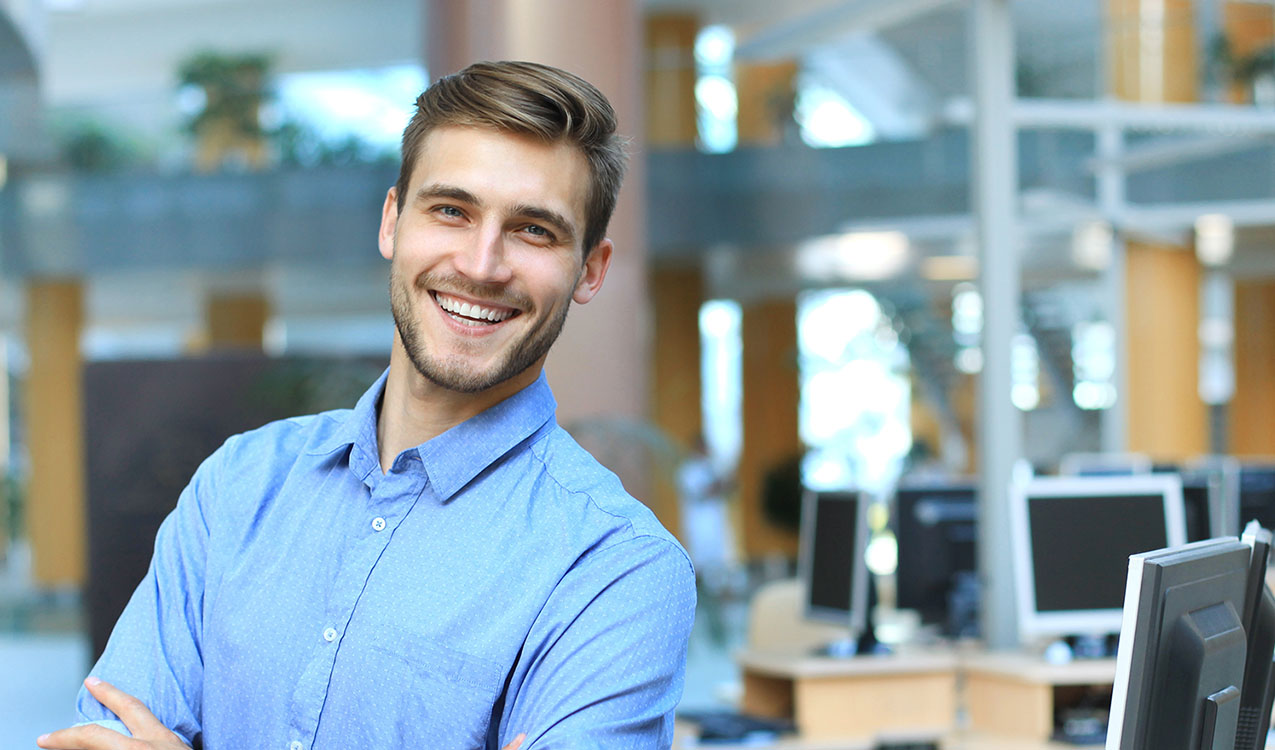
[852,699]
[1016,694]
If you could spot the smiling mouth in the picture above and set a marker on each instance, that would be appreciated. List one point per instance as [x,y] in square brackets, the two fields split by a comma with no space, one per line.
[472,314]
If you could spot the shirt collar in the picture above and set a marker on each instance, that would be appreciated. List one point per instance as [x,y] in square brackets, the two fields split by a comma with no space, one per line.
[451,460]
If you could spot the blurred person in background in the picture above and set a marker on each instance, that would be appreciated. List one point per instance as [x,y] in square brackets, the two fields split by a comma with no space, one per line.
[442,565]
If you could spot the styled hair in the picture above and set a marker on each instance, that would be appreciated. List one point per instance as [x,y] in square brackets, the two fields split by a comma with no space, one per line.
[534,100]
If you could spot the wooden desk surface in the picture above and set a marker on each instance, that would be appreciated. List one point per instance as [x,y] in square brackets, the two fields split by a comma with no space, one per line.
[1026,667]
[794,664]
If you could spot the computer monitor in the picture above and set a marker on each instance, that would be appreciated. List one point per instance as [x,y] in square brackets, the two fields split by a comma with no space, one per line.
[1257,494]
[834,538]
[935,527]
[1193,665]
[1210,491]
[1104,464]
[1072,538]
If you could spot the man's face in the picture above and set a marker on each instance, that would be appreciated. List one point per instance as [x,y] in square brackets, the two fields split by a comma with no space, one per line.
[486,256]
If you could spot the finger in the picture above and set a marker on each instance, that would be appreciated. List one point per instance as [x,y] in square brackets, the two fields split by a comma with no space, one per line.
[86,737]
[516,743]
[135,715]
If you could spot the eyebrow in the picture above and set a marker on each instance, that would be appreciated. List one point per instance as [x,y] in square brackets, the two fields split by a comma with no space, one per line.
[537,213]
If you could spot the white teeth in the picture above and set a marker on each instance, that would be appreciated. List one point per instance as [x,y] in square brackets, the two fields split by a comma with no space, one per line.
[471,311]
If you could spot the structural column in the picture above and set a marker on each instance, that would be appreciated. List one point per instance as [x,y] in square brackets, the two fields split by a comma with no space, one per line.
[1253,410]
[995,193]
[55,433]
[1154,60]
[236,320]
[677,290]
[771,394]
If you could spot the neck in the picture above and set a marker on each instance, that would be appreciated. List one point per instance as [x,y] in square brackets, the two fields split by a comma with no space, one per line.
[414,409]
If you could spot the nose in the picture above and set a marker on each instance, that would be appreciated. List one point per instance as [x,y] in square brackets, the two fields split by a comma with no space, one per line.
[484,260]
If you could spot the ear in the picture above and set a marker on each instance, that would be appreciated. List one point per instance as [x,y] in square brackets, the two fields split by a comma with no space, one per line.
[594,272]
[389,221]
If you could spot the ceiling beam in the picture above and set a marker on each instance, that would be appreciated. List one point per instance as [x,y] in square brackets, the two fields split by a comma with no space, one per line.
[794,37]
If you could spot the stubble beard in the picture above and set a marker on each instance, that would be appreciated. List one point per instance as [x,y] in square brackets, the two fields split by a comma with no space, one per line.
[453,373]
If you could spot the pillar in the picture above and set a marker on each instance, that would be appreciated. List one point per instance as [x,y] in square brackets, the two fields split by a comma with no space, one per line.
[55,433]
[1167,419]
[1153,54]
[1152,50]
[671,116]
[677,291]
[1248,27]
[1253,410]
[771,394]
[236,320]
[678,294]
[767,97]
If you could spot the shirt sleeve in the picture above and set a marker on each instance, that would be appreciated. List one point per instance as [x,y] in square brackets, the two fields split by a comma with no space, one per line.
[154,650]
[604,663]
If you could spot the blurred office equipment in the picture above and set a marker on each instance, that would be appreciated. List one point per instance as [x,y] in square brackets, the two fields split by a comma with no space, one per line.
[935,525]
[1194,667]
[832,567]
[1072,538]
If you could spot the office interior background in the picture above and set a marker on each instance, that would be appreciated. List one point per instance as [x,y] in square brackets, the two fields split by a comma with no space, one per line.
[861,241]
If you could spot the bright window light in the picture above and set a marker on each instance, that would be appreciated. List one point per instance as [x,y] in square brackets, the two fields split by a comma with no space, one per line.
[721,373]
[828,121]
[372,105]
[855,394]
[715,97]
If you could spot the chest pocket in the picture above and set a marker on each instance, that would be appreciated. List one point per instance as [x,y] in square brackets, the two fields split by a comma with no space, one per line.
[397,688]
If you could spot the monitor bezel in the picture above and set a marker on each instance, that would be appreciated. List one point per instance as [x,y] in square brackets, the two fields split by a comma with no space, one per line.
[857,620]
[1033,624]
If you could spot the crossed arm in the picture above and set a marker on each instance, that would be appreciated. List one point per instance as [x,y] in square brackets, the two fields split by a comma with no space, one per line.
[148,732]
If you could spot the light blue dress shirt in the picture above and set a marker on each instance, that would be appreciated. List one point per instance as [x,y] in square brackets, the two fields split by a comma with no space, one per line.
[497,580]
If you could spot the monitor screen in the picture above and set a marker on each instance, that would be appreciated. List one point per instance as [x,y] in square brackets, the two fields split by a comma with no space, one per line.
[935,525]
[1196,626]
[1072,538]
[1195,502]
[1257,494]
[834,533]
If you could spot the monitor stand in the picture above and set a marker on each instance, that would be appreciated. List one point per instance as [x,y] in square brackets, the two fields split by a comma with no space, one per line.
[851,646]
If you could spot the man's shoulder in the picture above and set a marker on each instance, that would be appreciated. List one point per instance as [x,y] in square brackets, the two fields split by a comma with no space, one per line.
[284,440]
[592,495]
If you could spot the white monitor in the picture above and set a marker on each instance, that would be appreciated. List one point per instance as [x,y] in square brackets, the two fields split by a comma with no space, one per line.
[834,537]
[1072,538]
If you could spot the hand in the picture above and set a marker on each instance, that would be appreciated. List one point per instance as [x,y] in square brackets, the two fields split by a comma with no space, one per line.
[148,732]
[516,743]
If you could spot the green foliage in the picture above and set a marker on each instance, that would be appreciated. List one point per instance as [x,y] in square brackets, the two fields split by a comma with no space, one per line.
[298,145]
[90,146]
[12,516]
[234,88]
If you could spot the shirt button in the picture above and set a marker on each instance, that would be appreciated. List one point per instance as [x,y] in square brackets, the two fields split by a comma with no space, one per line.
[296,746]
[329,635]
[378,524]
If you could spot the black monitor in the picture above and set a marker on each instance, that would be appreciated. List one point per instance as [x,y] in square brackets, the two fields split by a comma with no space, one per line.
[1196,503]
[834,537]
[936,528]
[1257,494]
[1193,665]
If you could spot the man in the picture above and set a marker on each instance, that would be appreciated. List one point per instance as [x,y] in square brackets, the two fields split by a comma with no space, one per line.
[441,566]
